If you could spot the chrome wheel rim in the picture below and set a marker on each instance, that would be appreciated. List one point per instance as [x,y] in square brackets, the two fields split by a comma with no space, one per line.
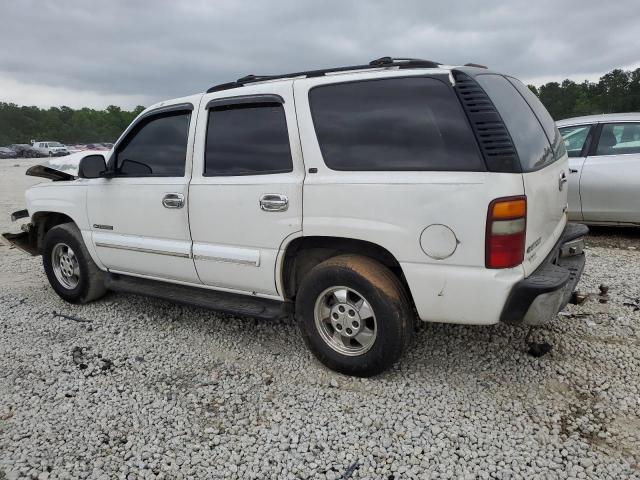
[345,321]
[65,266]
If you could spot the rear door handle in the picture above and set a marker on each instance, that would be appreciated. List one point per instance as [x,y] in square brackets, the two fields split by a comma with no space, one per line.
[274,202]
[562,180]
[573,170]
[173,200]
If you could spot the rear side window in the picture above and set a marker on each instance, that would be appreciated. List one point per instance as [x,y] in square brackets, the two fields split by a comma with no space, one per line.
[247,139]
[549,126]
[619,138]
[156,146]
[528,136]
[411,123]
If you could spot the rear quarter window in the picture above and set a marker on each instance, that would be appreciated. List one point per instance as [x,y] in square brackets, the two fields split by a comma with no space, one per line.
[413,123]
[534,149]
[546,120]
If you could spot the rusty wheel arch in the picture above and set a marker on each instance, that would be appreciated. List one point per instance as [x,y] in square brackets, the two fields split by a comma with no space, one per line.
[304,253]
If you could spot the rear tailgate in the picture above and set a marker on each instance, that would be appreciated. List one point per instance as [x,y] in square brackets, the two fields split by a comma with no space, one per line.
[543,160]
[546,217]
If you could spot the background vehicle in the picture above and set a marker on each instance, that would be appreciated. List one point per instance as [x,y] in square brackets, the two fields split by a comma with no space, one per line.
[52,149]
[25,150]
[439,190]
[604,168]
[6,152]
[97,146]
[76,148]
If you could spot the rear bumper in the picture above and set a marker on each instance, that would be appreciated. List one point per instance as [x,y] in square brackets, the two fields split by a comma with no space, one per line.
[539,297]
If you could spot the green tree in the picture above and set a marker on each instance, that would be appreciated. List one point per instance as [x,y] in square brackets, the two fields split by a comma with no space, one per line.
[23,124]
[617,91]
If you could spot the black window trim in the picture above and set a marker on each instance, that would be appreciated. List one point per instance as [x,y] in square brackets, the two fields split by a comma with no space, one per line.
[260,101]
[245,99]
[441,77]
[155,113]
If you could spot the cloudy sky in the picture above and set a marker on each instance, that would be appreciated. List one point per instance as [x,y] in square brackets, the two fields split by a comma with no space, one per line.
[129,52]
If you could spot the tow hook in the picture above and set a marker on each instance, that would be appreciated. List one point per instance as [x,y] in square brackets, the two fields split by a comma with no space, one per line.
[578,298]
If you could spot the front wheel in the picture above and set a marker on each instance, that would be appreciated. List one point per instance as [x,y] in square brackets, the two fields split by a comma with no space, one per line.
[354,315]
[69,267]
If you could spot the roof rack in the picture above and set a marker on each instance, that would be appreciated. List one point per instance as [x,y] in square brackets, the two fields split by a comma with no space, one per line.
[476,65]
[378,63]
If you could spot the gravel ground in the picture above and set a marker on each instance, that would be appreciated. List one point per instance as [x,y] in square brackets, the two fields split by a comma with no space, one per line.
[146,389]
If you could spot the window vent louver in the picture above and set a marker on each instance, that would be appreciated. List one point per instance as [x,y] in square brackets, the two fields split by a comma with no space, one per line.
[493,138]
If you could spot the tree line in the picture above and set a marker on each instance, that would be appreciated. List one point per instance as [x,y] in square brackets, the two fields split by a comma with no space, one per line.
[617,91]
[63,124]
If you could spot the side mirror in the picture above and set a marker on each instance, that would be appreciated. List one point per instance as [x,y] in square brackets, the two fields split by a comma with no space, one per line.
[92,166]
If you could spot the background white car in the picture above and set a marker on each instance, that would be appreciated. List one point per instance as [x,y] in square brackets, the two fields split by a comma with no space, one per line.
[51,149]
[604,168]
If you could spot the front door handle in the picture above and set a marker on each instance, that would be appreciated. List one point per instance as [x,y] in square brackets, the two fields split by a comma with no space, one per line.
[274,202]
[573,170]
[173,200]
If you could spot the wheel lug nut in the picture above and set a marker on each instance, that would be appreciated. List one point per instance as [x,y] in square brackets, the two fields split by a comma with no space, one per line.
[352,313]
[338,327]
[341,309]
[349,331]
[335,316]
[355,324]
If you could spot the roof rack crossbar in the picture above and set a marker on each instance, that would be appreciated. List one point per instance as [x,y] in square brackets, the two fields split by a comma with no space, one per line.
[403,62]
[476,65]
[382,62]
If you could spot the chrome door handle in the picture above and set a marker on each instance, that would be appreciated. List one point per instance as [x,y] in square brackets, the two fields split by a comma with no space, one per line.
[173,200]
[562,180]
[274,202]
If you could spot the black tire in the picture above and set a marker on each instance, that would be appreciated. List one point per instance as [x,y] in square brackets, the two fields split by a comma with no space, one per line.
[377,285]
[91,280]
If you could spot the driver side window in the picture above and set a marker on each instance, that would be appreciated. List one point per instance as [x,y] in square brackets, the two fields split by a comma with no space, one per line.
[155,147]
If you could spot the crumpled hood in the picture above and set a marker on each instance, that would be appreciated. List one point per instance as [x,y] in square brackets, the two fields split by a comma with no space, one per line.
[66,167]
[50,173]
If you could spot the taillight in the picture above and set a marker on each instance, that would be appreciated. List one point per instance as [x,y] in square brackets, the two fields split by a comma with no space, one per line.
[506,227]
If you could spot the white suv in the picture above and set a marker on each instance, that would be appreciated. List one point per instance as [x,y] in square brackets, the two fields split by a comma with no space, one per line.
[358,198]
[51,149]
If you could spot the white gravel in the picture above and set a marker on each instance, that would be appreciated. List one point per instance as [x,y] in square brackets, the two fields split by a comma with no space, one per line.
[148,389]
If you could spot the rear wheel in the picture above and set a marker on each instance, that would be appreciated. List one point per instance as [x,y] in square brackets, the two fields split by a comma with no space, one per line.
[71,272]
[354,315]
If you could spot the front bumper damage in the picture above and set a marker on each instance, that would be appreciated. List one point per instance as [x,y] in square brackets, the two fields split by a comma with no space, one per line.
[24,240]
[539,297]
